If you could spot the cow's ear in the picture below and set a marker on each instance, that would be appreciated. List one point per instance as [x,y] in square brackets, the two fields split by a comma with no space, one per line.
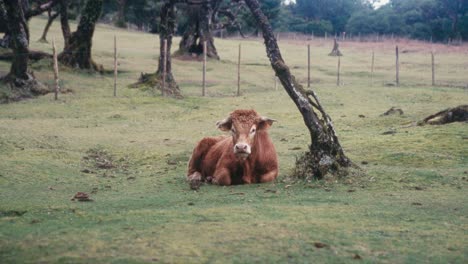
[265,123]
[225,124]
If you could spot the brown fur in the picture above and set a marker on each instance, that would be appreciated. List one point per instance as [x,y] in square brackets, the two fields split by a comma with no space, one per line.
[214,158]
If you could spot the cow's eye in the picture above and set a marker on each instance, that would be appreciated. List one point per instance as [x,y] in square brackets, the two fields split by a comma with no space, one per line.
[252,130]
[233,130]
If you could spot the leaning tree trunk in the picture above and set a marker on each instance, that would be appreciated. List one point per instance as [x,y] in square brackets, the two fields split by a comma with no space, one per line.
[325,153]
[77,53]
[198,31]
[50,20]
[166,31]
[21,82]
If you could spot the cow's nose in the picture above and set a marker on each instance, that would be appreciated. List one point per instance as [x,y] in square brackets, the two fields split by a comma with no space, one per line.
[241,146]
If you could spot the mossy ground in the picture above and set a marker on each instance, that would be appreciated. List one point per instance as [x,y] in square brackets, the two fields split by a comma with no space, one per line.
[410,206]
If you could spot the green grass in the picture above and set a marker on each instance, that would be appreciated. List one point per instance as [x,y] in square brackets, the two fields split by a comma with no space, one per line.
[410,206]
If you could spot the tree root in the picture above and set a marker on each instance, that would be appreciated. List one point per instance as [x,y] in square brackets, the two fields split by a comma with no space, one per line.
[34,55]
[154,80]
[450,115]
[14,89]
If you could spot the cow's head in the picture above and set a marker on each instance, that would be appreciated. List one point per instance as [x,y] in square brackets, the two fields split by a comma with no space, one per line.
[244,126]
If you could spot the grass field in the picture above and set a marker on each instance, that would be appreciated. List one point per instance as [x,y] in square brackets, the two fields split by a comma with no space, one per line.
[130,154]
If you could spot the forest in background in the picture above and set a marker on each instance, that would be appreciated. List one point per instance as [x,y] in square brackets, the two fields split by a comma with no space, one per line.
[439,20]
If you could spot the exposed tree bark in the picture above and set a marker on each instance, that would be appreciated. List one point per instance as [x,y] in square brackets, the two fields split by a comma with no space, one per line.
[203,16]
[77,53]
[50,20]
[199,30]
[167,29]
[21,82]
[325,153]
[66,32]
[450,115]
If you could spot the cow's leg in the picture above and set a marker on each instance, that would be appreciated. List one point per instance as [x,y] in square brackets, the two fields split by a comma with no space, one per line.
[269,176]
[222,177]
[195,163]
[248,177]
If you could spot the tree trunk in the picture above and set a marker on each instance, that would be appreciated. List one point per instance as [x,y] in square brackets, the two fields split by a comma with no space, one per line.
[77,53]
[21,82]
[198,31]
[336,50]
[121,14]
[325,153]
[49,23]
[167,29]
[66,32]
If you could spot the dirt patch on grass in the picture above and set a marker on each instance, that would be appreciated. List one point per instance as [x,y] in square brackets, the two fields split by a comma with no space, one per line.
[101,160]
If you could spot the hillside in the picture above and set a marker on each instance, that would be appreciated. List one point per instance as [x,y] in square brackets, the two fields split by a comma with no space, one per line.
[130,154]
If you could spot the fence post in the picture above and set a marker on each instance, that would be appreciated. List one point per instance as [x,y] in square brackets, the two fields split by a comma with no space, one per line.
[338,72]
[115,66]
[308,65]
[56,77]
[372,69]
[397,66]
[204,68]
[238,71]
[433,68]
[164,67]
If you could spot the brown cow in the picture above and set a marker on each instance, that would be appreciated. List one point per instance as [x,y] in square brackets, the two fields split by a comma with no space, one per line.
[247,156]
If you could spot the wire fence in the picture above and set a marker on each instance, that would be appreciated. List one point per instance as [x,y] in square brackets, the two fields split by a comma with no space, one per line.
[240,72]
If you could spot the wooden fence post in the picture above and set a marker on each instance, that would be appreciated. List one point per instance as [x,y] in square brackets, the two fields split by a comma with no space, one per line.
[238,71]
[115,66]
[338,72]
[308,65]
[433,68]
[397,67]
[56,77]
[164,68]
[372,69]
[204,69]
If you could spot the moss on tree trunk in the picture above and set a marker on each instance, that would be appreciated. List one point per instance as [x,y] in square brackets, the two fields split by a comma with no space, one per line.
[77,52]
[198,31]
[325,153]
[19,83]
[167,29]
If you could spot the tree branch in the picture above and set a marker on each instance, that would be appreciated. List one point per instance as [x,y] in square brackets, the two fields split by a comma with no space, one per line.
[41,9]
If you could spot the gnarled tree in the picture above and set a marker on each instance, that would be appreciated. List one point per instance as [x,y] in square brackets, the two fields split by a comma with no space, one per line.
[77,50]
[325,153]
[204,16]
[166,31]
[19,80]
[200,17]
